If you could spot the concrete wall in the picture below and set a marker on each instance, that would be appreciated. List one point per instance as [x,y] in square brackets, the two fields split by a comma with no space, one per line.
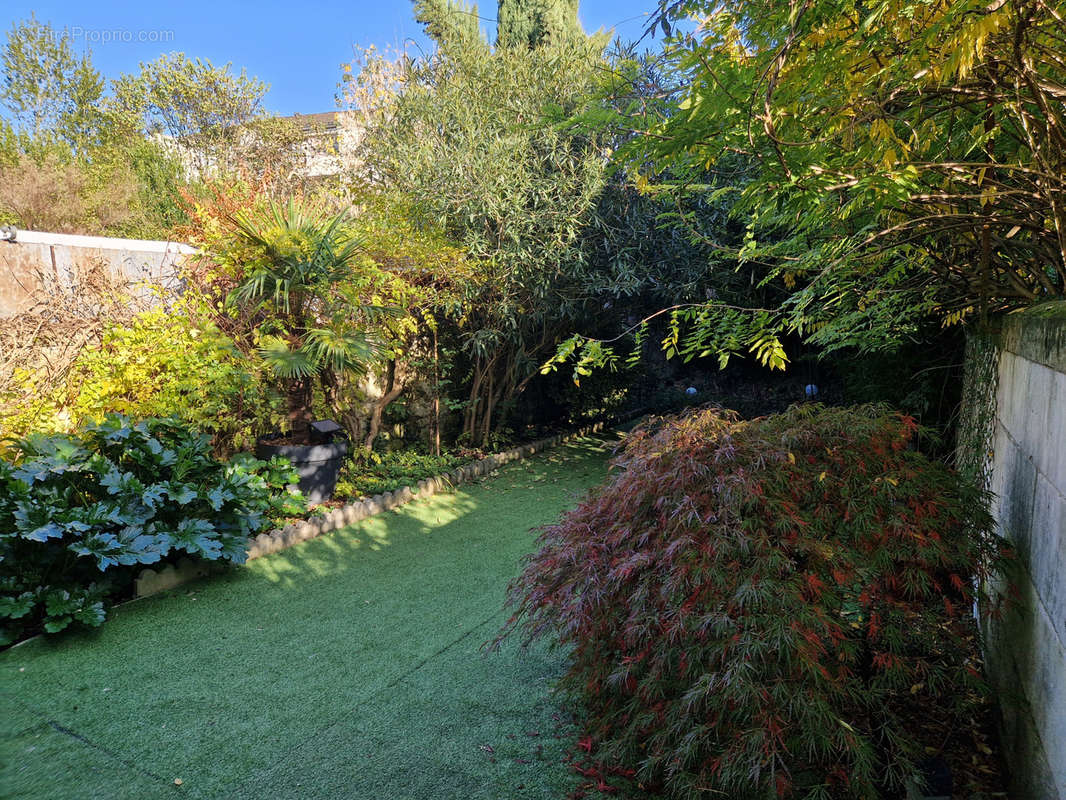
[53,267]
[1026,651]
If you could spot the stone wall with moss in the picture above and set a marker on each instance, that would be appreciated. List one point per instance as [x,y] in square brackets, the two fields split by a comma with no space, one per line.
[1013,435]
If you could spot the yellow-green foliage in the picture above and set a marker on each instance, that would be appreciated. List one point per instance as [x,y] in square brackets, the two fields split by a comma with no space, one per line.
[413,266]
[163,363]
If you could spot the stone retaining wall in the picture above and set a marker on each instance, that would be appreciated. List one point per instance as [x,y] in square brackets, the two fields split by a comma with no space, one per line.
[1026,469]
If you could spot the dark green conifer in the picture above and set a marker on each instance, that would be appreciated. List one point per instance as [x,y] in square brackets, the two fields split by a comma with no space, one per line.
[532,22]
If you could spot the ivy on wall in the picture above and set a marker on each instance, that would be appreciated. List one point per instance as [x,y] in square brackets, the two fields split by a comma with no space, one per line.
[977,416]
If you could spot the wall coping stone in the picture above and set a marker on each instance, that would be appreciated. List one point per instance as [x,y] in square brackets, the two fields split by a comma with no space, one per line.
[1038,334]
[102,242]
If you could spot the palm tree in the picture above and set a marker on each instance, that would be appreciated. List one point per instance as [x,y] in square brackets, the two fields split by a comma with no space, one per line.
[299,285]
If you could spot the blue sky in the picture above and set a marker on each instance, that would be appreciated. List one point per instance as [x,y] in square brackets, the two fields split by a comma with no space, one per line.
[296,47]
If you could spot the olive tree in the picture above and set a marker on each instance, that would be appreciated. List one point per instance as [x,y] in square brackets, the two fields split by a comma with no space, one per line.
[469,134]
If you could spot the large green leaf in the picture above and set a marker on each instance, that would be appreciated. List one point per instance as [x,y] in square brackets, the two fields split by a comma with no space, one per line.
[287,363]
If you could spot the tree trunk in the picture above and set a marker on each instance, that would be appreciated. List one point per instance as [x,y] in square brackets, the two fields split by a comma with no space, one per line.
[490,404]
[436,396]
[470,414]
[483,375]
[501,389]
[393,389]
[298,394]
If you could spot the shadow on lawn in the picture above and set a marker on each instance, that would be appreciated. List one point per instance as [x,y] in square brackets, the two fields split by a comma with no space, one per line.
[336,551]
[217,680]
[431,523]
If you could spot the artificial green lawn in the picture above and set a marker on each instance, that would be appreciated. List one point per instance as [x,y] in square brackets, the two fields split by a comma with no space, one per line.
[349,666]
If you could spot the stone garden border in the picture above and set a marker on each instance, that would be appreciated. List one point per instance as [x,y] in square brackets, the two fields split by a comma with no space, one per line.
[150,581]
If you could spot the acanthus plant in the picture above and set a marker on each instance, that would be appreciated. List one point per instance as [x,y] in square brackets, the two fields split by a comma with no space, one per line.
[81,513]
[755,608]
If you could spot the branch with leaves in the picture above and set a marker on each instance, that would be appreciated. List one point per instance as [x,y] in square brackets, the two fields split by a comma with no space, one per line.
[891,163]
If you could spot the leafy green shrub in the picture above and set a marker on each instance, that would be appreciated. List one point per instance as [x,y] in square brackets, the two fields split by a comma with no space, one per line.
[754,606]
[277,478]
[162,364]
[386,472]
[79,514]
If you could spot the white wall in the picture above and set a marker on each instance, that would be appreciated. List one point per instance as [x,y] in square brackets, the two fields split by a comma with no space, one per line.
[50,267]
[1026,651]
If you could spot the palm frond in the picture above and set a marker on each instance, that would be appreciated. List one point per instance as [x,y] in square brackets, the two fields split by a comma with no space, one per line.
[342,349]
[304,247]
[305,263]
[287,363]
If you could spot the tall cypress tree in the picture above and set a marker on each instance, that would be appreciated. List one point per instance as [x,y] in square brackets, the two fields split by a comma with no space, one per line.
[532,22]
[446,19]
[521,23]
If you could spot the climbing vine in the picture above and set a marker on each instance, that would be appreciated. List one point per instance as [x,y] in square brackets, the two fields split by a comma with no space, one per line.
[977,417]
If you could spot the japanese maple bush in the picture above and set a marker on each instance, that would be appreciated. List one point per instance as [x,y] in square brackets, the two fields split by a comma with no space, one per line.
[752,607]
